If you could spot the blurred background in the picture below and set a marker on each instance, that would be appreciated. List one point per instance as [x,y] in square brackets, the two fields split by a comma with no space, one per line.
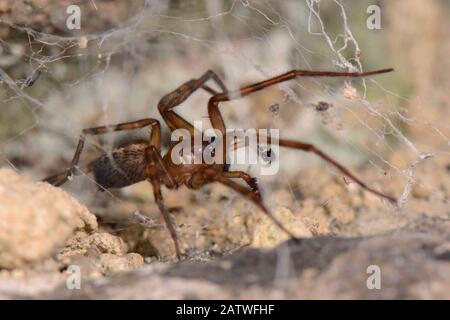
[392,130]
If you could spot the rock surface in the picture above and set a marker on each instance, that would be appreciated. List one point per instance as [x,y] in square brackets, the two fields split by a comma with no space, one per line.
[43,229]
[337,259]
[417,267]
[36,219]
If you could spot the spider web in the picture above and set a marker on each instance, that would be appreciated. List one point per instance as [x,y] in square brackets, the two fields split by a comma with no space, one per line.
[117,73]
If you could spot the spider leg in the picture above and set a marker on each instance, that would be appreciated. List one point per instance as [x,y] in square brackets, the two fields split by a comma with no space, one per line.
[213,104]
[155,136]
[209,89]
[218,122]
[159,201]
[311,148]
[163,171]
[256,199]
[251,182]
[179,95]
[53,179]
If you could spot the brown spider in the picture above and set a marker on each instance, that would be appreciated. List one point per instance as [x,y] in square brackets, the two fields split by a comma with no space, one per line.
[140,161]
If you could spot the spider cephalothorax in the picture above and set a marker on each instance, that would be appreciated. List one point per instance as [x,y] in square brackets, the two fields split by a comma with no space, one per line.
[140,161]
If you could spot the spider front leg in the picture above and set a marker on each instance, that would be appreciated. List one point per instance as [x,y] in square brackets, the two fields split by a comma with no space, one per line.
[213,104]
[155,140]
[179,95]
[256,199]
[311,148]
[219,124]
[251,182]
[307,147]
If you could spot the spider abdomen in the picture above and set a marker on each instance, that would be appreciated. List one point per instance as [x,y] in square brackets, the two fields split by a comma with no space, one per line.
[122,167]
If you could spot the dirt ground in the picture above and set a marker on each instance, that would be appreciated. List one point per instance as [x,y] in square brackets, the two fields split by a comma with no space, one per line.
[395,139]
[246,258]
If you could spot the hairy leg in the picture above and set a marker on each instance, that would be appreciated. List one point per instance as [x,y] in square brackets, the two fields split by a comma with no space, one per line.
[307,147]
[213,104]
[159,201]
[56,179]
[251,182]
[249,194]
[179,95]
[311,148]
[218,122]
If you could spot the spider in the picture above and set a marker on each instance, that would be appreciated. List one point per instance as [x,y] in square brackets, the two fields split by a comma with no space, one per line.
[138,161]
